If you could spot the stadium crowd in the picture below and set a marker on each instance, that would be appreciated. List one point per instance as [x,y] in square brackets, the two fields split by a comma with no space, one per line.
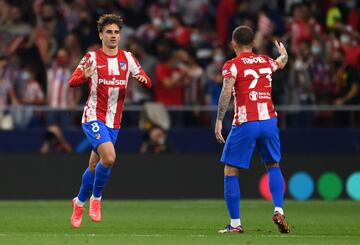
[182,45]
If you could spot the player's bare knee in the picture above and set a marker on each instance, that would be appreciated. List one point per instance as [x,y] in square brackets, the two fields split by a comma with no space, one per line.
[92,166]
[272,165]
[230,171]
[108,160]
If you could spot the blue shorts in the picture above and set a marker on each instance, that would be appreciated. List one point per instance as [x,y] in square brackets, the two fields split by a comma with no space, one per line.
[97,133]
[242,140]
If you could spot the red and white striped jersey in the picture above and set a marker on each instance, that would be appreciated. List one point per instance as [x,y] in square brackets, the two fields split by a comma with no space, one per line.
[58,93]
[252,89]
[107,85]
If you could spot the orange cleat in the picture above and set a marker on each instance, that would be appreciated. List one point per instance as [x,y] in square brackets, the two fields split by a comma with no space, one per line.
[76,217]
[95,210]
[280,221]
[230,229]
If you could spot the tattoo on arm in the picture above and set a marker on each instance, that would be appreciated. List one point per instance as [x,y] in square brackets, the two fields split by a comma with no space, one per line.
[225,97]
[283,59]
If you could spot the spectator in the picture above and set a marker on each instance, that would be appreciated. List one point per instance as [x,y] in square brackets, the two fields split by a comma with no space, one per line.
[73,47]
[30,94]
[214,81]
[85,30]
[322,85]
[168,87]
[193,86]
[347,86]
[195,27]
[139,95]
[50,31]
[225,10]
[155,142]
[59,95]
[180,33]
[15,33]
[300,27]
[300,87]
[61,99]
[7,94]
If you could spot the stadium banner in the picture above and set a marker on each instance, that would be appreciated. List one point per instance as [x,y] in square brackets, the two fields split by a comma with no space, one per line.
[57,176]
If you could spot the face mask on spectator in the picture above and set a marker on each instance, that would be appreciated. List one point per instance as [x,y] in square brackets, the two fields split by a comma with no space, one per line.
[218,58]
[298,65]
[25,76]
[345,39]
[315,50]
[195,38]
[156,22]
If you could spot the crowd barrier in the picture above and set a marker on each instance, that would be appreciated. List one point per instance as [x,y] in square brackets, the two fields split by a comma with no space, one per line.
[58,176]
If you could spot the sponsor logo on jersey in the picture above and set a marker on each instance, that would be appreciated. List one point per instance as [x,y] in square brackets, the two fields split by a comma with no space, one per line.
[254,60]
[254,96]
[97,136]
[113,82]
[225,72]
[122,65]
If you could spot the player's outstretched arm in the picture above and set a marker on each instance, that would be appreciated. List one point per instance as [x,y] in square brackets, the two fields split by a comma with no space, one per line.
[223,106]
[81,74]
[144,80]
[283,58]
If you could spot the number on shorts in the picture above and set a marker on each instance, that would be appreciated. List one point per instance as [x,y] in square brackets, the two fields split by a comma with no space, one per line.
[95,127]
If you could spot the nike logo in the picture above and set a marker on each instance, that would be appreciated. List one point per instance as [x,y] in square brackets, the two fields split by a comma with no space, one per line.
[101,66]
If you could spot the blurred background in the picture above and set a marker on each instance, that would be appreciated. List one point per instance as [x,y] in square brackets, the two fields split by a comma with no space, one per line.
[167,132]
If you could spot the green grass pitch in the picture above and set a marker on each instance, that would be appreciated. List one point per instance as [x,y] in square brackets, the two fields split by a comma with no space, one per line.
[179,222]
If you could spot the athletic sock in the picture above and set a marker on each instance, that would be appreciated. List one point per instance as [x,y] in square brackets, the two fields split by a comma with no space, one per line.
[276,184]
[96,198]
[232,197]
[235,222]
[279,210]
[80,203]
[86,187]
[102,175]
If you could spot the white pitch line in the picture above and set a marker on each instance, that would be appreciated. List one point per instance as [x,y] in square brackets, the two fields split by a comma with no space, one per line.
[283,236]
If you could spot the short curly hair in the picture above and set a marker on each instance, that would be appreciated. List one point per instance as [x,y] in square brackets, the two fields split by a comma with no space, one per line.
[108,19]
[243,35]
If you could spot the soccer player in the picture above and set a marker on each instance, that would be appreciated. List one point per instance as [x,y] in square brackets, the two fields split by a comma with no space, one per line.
[107,71]
[248,77]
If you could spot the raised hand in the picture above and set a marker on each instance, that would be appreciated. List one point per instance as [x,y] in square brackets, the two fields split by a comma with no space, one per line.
[141,79]
[280,47]
[89,69]
[283,58]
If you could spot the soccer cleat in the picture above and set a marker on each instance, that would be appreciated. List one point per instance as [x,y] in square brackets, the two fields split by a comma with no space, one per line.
[95,210]
[76,217]
[230,229]
[280,221]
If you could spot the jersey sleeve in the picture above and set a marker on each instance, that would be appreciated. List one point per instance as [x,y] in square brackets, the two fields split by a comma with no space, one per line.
[136,69]
[229,70]
[78,78]
[273,63]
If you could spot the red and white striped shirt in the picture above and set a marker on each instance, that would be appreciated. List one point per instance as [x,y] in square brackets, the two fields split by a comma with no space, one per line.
[107,85]
[58,93]
[252,89]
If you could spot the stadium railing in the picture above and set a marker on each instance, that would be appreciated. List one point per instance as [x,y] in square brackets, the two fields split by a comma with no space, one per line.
[283,110]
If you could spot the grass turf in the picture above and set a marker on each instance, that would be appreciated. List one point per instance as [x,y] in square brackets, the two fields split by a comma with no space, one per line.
[179,222]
